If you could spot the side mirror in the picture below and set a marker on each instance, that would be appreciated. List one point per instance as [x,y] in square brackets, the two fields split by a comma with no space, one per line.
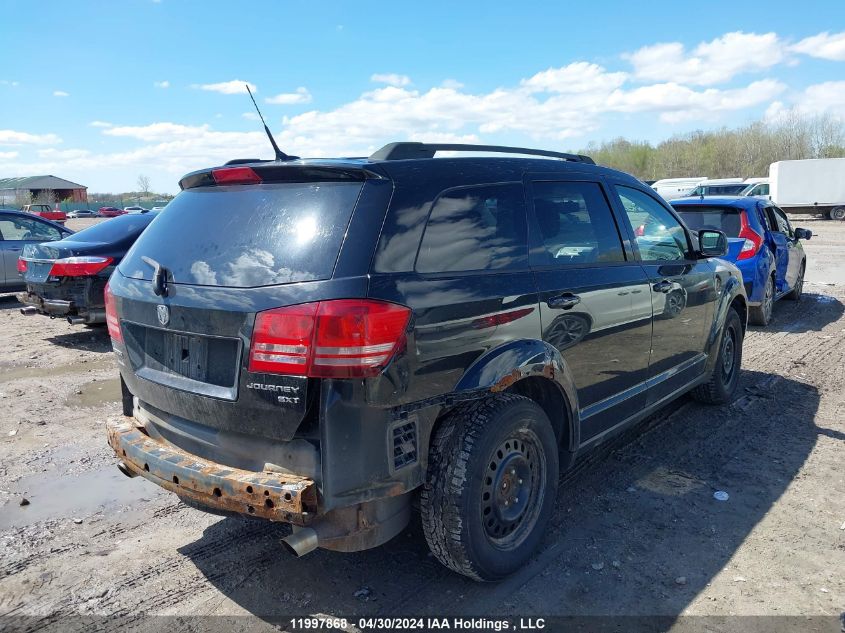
[803,234]
[712,243]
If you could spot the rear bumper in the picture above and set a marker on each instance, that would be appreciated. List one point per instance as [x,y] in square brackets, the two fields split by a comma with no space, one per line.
[272,496]
[68,300]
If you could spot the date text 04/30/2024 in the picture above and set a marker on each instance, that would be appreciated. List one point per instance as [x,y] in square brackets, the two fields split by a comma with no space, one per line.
[428,623]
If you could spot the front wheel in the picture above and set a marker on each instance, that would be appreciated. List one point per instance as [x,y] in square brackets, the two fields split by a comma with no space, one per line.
[837,213]
[798,288]
[490,487]
[724,379]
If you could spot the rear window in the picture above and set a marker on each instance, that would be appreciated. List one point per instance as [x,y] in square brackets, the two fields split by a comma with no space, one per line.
[725,219]
[114,230]
[248,235]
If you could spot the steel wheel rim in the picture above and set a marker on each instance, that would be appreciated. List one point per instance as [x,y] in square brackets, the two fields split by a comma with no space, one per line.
[728,356]
[512,489]
[768,302]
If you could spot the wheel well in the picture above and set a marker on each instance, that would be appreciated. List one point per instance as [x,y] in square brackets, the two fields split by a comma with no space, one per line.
[741,308]
[548,395]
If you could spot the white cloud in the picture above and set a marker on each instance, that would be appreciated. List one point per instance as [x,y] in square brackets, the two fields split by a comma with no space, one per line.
[158,131]
[63,154]
[578,77]
[6,82]
[818,99]
[710,62]
[234,87]
[60,93]
[161,84]
[250,116]
[824,45]
[451,83]
[301,95]
[8,155]
[11,137]
[101,124]
[391,79]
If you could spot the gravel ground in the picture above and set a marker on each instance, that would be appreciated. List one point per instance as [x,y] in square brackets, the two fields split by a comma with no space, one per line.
[637,530]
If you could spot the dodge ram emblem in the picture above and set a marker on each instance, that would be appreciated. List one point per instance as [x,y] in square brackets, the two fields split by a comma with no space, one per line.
[163,313]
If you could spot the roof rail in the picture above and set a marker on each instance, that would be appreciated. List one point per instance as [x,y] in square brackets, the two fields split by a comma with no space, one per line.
[406,150]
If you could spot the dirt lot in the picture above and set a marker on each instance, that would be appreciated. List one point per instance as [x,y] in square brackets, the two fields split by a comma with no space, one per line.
[637,530]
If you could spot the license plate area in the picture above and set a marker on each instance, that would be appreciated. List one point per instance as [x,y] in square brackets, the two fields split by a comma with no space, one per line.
[37,272]
[203,364]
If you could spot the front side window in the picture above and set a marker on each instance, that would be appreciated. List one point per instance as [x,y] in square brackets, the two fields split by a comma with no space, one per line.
[16,228]
[576,225]
[476,228]
[659,235]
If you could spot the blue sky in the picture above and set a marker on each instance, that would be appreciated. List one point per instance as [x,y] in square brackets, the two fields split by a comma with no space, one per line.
[100,92]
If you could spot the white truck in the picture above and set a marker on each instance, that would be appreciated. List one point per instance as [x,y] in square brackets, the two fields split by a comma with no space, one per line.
[814,185]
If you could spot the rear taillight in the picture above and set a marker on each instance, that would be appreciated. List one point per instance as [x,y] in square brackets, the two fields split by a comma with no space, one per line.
[235,176]
[343,338]
[112,321]
[79,266]
[753,240]
[21,265]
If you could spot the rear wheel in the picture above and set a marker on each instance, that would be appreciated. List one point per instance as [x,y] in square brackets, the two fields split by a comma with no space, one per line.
[837,213]
[721,387]
[795,294]
[490,489]
[762,314]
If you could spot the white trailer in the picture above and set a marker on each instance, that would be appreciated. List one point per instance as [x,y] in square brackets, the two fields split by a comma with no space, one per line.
[671,188]
[809,186]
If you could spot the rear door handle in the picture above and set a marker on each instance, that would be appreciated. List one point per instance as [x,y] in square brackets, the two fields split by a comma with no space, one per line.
[662,286]
[563,302]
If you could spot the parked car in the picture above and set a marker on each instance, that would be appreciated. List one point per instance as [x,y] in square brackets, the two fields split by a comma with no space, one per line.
[135,210]
[47,212]
[400,330]
[82,213]
[67,278]
[671,188]
[756,187]
[719,187]
[762,243]
[17,229]
[110,212]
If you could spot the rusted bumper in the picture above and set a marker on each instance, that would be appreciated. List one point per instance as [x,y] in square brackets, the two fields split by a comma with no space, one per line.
[273,496]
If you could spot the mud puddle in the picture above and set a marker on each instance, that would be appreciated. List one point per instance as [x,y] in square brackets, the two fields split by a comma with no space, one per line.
[95,393]
[8,374]
[71,497]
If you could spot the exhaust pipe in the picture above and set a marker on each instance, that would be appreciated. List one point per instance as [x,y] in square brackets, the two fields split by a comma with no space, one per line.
[125,470]
[301,541]
[93,316]
[29,311]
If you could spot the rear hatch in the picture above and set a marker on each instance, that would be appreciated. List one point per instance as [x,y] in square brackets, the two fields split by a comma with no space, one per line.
[730,220]
[224,253]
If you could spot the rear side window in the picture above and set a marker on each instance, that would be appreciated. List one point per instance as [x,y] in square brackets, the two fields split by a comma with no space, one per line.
[476,228]
[248,235]
[17,228]
[659,236]
[725,219]
[115,229]
[575,224]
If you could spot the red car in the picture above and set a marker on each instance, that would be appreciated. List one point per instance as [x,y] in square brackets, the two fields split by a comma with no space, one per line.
[110,212]
[47,212]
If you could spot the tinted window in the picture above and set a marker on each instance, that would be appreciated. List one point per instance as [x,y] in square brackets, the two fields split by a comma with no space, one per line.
[115,229]
[248,235]
[18,228]
[727,190]
[725,219]
[476,228]
[575,224]
[659,235]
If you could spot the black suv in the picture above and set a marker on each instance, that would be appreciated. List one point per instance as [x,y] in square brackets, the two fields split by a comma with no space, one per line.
[319,341]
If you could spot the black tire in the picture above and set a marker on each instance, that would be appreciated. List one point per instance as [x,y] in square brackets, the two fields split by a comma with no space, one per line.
[724,379]
[483,456]
[837,213]
[798,289]
[762,314]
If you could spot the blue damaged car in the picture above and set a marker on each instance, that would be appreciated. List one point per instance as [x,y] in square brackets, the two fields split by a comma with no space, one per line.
[761,242]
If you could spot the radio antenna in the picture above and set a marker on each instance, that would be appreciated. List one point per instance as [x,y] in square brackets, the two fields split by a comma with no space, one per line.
[280,155]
